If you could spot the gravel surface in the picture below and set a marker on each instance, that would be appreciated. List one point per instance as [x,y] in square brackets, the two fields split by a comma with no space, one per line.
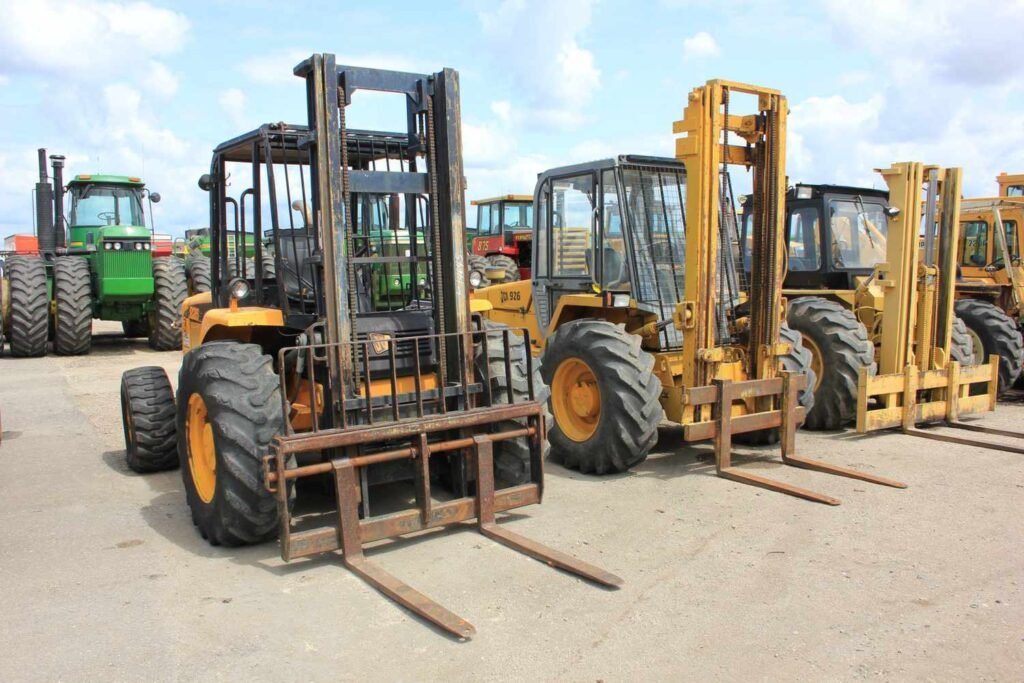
[105,578]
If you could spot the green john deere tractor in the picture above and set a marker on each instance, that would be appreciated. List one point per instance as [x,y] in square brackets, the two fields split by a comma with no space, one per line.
[241,258]
[102,266]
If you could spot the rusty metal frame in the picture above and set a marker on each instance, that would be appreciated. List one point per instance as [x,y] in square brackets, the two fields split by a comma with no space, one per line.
[723,395]
[350,533]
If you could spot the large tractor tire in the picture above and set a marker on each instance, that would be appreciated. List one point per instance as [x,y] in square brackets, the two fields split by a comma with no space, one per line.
[72,293]
[169,289]
[993,331]
[477,267]
[837,341]
[797,361]
[5,300]
[511,267]
[268,268]
[147,414]
[511,457]
[961,343]
[229,411]
[200,275]
[604,397]
[30,307]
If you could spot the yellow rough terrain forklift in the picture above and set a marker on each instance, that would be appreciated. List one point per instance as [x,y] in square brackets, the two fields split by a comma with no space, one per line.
[990,290]
[835,237]
[637,305]
[297,375]
[920,379]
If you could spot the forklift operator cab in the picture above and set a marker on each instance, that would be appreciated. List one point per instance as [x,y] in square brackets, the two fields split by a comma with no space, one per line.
[855,242]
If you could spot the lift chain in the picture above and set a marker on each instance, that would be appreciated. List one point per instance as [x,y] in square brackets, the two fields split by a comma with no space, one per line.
[438,279]
[346,192]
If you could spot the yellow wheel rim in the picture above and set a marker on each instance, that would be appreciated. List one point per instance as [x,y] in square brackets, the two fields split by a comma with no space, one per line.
[816,362]
[977,348]
[576,399]
[202,455]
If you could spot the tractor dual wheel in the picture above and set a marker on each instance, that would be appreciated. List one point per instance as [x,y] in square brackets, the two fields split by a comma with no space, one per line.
[477,267]
[72,293]
[507,264]
[168,294]
[148,417]
[268,267]
[29,322]
[511,456]
[838,342]
[200,274]
[993,332]
[604,397]
[229,411]
[797,361]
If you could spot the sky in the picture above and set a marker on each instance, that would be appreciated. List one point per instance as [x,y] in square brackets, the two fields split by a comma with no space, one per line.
[149,88]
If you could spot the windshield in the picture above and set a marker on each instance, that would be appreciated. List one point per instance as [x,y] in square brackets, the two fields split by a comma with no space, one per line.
[106,205]
[518,215]
[654,200]
[858,233]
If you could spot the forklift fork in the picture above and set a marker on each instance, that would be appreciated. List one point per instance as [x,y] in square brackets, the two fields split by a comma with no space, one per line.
[351,532]
[724,393]
[946,397]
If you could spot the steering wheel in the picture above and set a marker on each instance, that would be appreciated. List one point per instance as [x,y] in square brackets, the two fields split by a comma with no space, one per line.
[108,216]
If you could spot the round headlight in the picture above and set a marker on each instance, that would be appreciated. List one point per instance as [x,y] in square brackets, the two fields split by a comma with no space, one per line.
[239,289]
[397,282]
[117,246]
[147,246]
[476,278]
[138,246]
[107,246]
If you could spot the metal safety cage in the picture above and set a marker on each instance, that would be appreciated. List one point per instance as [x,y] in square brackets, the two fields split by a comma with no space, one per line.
[366,389]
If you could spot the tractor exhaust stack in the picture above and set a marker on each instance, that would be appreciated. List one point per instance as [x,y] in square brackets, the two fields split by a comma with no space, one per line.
[44,210]
[59,231]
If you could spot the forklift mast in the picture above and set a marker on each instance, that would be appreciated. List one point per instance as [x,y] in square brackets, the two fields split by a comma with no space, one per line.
[706,151]
[434,125]
[918,310]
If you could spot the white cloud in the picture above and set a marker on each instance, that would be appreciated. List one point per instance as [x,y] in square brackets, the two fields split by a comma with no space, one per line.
[103,88]
[969,43]
[160,81]
[536,45]
[61,36]
[699,46]
[232,101]
[932,91]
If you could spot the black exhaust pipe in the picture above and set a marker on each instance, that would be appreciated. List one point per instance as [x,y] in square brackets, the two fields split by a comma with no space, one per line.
[59,229]
[44,210]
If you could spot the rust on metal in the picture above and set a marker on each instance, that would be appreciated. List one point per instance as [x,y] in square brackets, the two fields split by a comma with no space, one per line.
[467,428]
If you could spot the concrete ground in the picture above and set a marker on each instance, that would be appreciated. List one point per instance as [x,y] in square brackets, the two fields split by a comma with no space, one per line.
[104,577]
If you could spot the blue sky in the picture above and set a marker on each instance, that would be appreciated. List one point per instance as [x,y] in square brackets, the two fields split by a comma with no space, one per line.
[150,87]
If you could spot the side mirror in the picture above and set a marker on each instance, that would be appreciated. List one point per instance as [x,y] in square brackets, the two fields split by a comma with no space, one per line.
[205,182]
[154,197]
